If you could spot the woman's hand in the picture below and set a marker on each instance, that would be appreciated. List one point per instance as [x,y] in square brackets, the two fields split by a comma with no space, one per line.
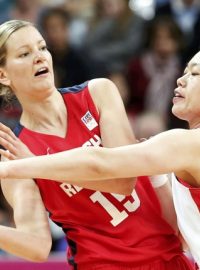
[12,147]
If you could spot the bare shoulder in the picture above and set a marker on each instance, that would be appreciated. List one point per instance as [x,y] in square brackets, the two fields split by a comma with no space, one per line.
[103,90]
[100,83]
[101,86]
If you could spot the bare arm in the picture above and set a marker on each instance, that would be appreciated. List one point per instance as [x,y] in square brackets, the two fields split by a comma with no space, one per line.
[164,194]
[174,150]
[31,238]
[115,130]
[114,127]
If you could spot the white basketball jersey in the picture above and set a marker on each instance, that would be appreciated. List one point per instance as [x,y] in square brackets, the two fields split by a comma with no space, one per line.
[187,206]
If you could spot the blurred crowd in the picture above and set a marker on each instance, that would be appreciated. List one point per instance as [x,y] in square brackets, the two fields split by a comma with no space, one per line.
[142,55]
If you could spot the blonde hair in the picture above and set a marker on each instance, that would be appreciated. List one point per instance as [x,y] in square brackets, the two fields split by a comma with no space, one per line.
[6,30]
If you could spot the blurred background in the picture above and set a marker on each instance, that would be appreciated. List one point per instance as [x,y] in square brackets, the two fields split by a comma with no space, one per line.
[141,45]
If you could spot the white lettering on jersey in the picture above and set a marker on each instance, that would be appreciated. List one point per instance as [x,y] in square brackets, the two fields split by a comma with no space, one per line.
[111,209]
[89,121]
[117,216]
[131,207]
[69,189]
[95,141]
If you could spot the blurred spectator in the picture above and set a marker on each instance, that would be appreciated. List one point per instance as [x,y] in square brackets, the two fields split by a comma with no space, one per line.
[4,6]
[116,35]
[194,45]
[152,75]
[147,124]
[186,13]
[120,81]
[69,66]
[23,10]
[196,39]
[161,2]
[80,12]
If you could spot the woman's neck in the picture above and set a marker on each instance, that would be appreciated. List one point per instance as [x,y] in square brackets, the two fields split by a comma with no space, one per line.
[46,116]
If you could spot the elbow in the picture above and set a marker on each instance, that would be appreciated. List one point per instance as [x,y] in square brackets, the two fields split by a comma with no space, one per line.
[127,186]
[42,252]
[128,191]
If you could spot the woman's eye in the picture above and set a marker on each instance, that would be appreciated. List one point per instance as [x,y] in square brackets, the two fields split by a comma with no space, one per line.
[23,55]
[43,48]
[195,74]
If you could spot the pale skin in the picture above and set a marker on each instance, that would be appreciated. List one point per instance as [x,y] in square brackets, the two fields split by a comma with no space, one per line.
[171,151]
[38,95]
[175,150]
[24,58]
[26,54]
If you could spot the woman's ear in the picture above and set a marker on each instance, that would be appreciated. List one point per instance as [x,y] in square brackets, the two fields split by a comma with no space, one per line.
[3,77]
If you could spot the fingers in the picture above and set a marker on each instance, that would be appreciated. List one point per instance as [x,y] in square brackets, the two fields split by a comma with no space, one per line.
[8,139]
[8,144]
[7,131]
[5,154]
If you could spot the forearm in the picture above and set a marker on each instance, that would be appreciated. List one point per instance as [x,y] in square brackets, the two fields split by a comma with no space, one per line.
[151,157]
[63,168]
[71,166]
[23,244]
[164,195]
[82,164]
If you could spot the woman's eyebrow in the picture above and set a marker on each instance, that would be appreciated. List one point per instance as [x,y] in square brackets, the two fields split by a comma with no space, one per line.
[193,64]
[27,45]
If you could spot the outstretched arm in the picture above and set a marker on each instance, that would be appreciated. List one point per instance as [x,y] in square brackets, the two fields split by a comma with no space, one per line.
[174,150]
[31,238]
[114,128]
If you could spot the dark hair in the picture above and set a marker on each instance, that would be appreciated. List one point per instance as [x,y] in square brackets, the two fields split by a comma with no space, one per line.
[50,12]
[167,22]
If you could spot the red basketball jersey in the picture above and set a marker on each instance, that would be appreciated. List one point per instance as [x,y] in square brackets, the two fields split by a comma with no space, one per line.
[101,228]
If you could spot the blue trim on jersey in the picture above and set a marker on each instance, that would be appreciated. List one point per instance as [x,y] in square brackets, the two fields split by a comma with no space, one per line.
[73,89]
[73,249]
[17,130]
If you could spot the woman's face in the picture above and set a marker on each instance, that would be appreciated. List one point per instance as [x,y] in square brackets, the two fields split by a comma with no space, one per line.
[56,32]
[164,44]
[28,69]
[186,103]
[114,8]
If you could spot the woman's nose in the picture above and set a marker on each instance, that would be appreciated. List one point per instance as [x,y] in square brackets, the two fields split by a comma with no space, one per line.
[182,80]
[39,57]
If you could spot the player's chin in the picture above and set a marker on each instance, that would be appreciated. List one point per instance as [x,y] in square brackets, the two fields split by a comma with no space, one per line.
[178,112]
